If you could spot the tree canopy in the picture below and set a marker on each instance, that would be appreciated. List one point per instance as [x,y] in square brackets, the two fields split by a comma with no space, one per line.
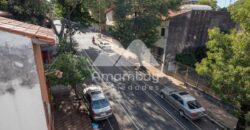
[228,62]
[32,11]
[73,15]
[212,3]
[74,70]
[240,12]
[136,19]
[99,8]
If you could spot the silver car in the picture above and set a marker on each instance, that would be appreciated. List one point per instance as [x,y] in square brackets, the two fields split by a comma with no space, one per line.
[186,104]
[98,104]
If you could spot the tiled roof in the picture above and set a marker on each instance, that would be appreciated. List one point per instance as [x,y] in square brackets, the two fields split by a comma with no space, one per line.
[29,30]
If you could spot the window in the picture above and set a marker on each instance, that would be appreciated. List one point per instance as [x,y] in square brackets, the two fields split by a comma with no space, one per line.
[98,104]
[178,99]
[183,93]
[163,32]
[193,104]
[174,96]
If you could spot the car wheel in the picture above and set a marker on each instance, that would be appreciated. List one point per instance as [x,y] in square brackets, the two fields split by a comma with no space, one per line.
[181,113]
[162,95]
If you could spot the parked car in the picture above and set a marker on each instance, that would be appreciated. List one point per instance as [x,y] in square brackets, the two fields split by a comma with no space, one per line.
[186,104]
[105,46]
[98,104]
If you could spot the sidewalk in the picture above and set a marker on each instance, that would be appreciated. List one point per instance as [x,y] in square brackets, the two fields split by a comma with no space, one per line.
[214,111]
[217,113]
[66,117]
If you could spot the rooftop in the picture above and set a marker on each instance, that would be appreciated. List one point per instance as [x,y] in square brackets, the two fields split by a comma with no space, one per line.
[29,30]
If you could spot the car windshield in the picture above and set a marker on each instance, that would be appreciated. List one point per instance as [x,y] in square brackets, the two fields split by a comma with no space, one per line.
[193,104]
[98,104]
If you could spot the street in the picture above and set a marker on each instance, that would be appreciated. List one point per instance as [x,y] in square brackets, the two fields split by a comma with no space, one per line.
[136,104]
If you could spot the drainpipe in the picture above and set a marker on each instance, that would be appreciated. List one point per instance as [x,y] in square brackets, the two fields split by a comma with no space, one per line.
[165,46]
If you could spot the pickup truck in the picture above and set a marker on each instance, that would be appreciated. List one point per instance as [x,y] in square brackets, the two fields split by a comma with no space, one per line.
[186,104]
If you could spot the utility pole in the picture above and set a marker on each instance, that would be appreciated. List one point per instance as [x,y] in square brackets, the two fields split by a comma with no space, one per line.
[99,16]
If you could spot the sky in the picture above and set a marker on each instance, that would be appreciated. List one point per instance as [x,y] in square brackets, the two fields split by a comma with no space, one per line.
[225,3]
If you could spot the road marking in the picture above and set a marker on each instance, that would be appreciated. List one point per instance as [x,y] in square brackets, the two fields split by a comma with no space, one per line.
[164,109]
[138,122]
[176,109]
[176,120]
[130,117]
[110,124]
[105,85]
[174,106]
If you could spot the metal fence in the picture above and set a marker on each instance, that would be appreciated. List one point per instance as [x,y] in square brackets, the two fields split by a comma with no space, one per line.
[189,76]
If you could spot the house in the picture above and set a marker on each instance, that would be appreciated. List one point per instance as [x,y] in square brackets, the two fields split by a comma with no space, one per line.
[188,30]
[24,96]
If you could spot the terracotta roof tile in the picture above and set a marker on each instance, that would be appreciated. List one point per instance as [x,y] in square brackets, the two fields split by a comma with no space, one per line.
[29,30]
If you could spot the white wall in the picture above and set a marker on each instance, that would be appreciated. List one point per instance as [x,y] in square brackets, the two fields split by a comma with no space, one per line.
[109,18]
[21,106]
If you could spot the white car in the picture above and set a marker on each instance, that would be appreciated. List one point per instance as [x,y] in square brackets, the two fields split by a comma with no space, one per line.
[105,45]
[98,104]
[186,104]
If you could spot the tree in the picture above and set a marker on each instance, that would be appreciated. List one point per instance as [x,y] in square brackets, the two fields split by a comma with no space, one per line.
[137,19]
[212,3]
[74,16]
[32,11]
[74,70]
[64,46]
[99,9]
[240,13]
[228,66]
[228,63]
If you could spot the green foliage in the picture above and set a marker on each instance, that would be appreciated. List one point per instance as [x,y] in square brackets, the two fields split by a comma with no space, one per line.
[228,66]
[98,9]
[75,70]
[240,13]
[186,59]
[64,46]
[139,19]
[212,3]
[4,5]
[31,11]
[72,10]
[191,56]
[74,16]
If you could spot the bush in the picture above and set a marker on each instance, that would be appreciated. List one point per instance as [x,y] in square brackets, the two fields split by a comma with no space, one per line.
[186,58]
[4,5]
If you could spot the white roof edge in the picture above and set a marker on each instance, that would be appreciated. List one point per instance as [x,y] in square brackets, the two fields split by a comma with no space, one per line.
[195,7]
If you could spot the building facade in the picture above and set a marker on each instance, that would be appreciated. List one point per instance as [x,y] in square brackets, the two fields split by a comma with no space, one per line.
[24,96]
[187,31]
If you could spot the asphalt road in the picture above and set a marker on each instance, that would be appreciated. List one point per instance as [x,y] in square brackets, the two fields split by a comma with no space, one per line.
[136,103]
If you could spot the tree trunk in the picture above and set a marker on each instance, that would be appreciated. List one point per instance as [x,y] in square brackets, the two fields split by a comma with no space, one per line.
[241,124]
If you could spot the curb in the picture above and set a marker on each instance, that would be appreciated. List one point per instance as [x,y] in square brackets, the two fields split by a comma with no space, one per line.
[209,117]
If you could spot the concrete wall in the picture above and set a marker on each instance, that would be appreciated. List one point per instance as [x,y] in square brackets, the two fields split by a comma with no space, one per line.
[21,106]
[109,18]
[189,30]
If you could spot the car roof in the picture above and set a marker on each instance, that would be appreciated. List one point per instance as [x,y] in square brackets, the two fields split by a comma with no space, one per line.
[168,89]
[97,96]
[186,97]
[92,88]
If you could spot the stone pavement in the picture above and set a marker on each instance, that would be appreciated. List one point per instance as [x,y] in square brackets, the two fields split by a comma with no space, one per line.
[66,117]
[215,112]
